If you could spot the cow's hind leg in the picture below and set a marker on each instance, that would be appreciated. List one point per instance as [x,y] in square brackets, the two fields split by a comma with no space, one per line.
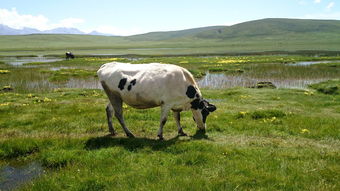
[164,115]
[117,104]
[109,113]
[177,117]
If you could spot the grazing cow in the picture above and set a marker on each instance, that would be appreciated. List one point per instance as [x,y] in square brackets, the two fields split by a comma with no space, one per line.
[151,85]
[69,55]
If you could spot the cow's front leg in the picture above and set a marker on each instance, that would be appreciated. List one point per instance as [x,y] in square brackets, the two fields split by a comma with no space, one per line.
[164,115]
[109,113]
[177,117]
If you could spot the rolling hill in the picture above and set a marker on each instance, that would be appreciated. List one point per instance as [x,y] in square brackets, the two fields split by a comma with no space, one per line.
[274,27]
[251,29]
[252,36]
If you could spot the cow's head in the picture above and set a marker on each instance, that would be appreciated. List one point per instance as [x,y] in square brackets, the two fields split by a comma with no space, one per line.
[201,108]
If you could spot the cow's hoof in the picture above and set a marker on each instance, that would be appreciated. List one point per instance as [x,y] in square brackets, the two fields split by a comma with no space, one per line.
[160,137]
[111,134]
[130,135]
[201,131]
[182,134]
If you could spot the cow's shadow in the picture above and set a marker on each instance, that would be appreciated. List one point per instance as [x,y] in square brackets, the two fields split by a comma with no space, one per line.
[133,144]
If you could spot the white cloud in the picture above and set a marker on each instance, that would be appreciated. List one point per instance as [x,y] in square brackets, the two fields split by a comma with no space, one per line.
[317,1]
[328,16]
[16,20]
[13,19]
[330,5]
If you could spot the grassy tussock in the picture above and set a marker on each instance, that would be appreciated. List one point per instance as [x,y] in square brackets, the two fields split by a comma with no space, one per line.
[328,87]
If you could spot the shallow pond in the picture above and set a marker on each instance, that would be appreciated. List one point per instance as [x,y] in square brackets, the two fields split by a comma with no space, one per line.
[18,61]
[11,177]
[298,75]
[308,63]
[222,81]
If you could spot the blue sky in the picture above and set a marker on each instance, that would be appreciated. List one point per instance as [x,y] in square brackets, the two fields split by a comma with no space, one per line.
[126,17]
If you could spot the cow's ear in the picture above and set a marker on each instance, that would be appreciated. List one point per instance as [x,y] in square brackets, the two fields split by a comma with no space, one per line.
[211,107]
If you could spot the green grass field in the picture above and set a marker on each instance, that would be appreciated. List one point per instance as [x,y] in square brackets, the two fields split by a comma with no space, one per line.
[257,139]
[266,35]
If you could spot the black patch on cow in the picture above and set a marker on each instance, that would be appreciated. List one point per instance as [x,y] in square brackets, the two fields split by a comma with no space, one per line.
[133,82]
[197,104]
[191,91]
[205,114]
[211,107]
[122,83]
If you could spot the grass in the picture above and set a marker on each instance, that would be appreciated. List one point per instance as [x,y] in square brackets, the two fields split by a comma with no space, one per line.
[63,75]
[285,148]
[257,139]
[328,87]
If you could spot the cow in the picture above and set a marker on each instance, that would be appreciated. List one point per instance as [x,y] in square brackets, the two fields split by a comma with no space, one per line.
[144,86]
[69,55]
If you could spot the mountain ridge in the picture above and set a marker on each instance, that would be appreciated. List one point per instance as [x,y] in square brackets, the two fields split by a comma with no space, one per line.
[6,30]
[262,27]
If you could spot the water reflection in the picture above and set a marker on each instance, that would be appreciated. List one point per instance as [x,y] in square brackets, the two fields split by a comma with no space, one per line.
[221,81]
[12,177]
[308,63]
[19,61]
[91,83]
[59,68]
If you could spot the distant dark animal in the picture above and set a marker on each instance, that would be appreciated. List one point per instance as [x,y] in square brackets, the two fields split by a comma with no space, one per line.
[145,86]
[69,55]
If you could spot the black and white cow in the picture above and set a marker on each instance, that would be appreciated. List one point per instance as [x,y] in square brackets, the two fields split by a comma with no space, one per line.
[69,55]
[151,85]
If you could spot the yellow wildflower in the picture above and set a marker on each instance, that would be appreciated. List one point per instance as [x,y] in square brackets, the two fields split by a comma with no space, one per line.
[272,119]
[184,62]
[47,99]
[242,114]
[4,71]
[304,131]
[4,104]
[125,106]
[308,93]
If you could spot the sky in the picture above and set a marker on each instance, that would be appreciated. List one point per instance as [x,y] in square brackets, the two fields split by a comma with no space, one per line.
[128,17]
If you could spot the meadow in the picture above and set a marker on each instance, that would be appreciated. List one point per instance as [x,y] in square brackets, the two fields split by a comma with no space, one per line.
[257,139]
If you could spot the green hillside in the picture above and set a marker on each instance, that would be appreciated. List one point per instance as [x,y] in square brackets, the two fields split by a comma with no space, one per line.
[174,34]
[253,36]
[274,27]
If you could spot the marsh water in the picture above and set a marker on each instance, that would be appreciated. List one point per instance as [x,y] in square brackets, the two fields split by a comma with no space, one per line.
[19,61]
[12,176]
[292,75]
[222,81]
